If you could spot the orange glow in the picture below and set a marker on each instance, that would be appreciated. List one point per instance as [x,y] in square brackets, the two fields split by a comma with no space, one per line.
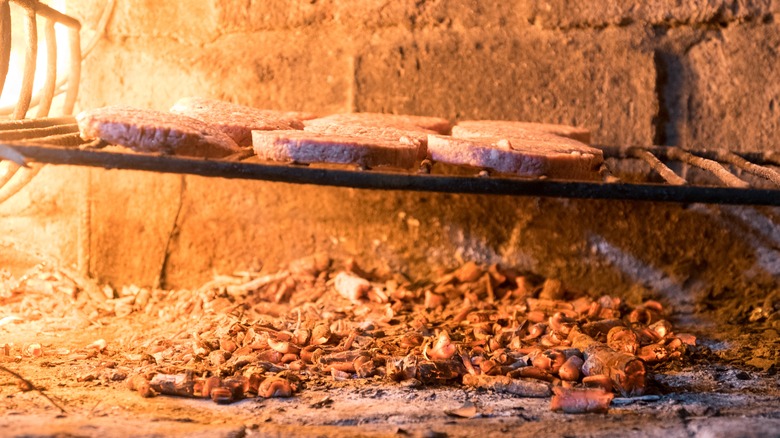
[13,82]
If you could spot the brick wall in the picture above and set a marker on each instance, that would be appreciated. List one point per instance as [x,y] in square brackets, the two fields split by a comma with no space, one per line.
[672,72]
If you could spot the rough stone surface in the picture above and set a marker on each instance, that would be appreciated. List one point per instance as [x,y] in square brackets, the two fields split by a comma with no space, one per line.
[138,72]
[304,71]
[269,70]
[40,223]
[132,217]
[356,16]
[733,90]
[182,21]
[598,80]
[572,14]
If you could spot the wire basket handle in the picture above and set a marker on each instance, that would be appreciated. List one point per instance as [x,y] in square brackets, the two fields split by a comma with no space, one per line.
[34,9]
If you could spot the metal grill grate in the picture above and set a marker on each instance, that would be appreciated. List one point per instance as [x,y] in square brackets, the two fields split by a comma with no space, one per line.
[707,176]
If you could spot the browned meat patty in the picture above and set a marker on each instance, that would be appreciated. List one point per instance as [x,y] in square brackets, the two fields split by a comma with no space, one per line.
[506,128]
[377,120]
[155,131]
[312,147]
[418,137]
[537,154]
[236,120]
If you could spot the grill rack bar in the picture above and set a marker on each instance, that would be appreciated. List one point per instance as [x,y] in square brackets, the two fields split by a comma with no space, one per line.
[56,141]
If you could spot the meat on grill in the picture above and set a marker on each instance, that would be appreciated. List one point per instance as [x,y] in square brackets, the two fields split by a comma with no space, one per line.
[386,121]
[526,154]
[312,147]
[418,137]
[506,128]
[236,120]
[155,131]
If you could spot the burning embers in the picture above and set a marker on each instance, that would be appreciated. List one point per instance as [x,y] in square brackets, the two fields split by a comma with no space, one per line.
[481,327]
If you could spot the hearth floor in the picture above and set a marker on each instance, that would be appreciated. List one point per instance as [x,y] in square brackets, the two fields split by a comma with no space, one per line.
[718,400]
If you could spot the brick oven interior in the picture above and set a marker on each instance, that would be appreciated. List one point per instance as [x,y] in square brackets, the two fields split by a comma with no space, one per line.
[79,245]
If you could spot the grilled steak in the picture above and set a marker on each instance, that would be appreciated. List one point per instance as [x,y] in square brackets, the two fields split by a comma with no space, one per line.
[155,131]
[312,147]
[506,128]
[385,121]
[533,154]
[418,137]
[236,120]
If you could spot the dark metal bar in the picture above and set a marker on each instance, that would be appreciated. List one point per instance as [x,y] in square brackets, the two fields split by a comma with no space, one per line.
[400,181]
[11,154]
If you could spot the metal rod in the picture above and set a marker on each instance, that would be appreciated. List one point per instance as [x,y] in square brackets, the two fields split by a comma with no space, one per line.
[30,59]
[7,153]
[666,173]
[5,41]
[47,92]
[747,166]
[74,75]
[714,167]
[771,157]
[72,139]
[383,180]
[48,12]
[43,122]
[11,170]
[33,133]
[21,180]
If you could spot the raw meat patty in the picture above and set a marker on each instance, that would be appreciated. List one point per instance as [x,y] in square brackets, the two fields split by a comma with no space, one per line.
[506,128]
[155,131]
[312,147]
[537,154]
[378,120]
[418,137]
[238,121]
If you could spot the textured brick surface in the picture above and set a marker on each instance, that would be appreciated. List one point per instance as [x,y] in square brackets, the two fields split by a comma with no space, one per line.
[132,216]
[41,222]
[192,21]
[308,71]
[273,70]
[733,90]
[572,13]
[140,73]
[355,16]
[598,80]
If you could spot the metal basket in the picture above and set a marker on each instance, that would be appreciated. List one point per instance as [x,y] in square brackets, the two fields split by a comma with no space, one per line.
[14,173]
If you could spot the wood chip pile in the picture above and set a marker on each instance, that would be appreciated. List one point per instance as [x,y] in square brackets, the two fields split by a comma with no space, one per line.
[325,321]
[478,326]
